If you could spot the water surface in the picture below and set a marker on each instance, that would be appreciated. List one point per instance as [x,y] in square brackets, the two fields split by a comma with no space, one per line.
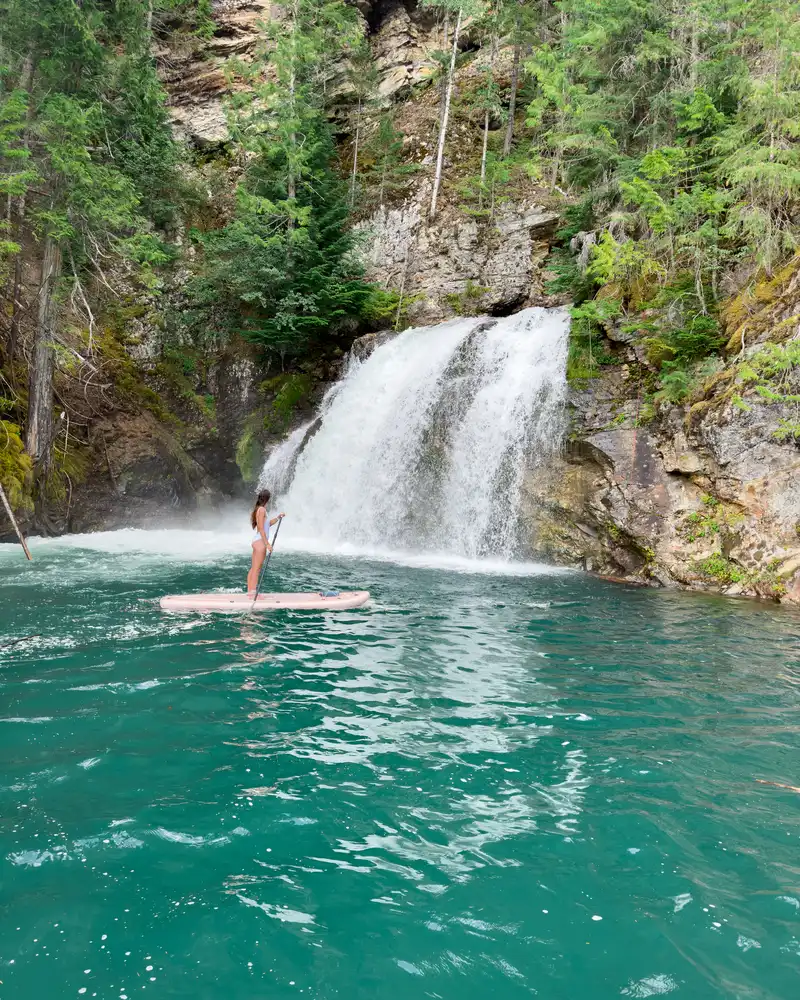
[477,786]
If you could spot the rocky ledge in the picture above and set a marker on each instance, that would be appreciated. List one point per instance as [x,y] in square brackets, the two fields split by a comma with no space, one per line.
[704,496]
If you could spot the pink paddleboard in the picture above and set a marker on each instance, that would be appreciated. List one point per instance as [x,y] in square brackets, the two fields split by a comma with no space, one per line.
[333,601]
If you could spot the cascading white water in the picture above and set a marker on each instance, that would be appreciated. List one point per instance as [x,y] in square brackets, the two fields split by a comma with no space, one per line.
[423,446]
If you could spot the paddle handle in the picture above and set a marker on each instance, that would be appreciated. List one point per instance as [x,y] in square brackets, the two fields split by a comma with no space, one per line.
[266,561]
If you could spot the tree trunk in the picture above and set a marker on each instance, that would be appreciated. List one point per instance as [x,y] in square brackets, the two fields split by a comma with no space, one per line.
[486,117]
[40,384]
[13,520]
[512,97]
[291,187]
[25,83]
[355,156]
[437,179]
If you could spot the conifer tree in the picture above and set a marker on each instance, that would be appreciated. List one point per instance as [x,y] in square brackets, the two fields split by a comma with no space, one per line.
[81,72]
[285,270]
[386,172]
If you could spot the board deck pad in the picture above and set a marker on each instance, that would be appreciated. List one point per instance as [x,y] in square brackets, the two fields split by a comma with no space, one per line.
[327,600]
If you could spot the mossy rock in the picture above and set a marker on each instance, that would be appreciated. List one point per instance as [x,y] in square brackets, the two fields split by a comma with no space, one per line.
[658,351]
[751,314]
[15,466]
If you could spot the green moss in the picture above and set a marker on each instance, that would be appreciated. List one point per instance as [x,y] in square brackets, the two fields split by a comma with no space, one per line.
[290,392]
[126,377]
[249,452]
[716,520]
[466,302]
[387,308]
[752,313]
[15,465]
[176,369]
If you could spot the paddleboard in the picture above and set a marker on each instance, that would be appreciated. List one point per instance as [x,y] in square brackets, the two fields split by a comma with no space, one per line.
[334,600]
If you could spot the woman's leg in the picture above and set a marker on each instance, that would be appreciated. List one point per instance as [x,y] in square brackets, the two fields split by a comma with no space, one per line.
[259,551]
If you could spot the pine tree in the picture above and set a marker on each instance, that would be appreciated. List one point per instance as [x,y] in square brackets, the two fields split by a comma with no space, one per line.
[78,70]
[285,270]
[386,173]
[677,127]
[761,149]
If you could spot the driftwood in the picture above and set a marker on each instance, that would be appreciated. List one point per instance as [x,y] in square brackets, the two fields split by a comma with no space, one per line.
[13,520]
[778,784]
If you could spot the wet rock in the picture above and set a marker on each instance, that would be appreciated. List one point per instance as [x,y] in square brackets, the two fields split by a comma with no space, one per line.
[710,503]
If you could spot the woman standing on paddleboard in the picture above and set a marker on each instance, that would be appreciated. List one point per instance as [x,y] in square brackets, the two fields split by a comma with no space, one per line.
[260,523]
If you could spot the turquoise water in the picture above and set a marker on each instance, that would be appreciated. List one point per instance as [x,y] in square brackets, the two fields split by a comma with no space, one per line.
[478,786]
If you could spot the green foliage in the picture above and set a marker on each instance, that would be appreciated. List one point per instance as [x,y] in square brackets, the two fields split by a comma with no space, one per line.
[562,263]
[713,522]
[195,16]
[769,372]
[679,125]
[586,351]
[384,174]
[286,270]
[249,453]
[291,392]
[387,308]
[720,569]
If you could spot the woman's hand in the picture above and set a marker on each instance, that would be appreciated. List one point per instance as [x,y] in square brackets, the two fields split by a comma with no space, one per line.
[269,547]
[281,516]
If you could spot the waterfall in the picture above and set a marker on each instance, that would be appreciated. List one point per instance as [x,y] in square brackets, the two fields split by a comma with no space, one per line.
[424,445]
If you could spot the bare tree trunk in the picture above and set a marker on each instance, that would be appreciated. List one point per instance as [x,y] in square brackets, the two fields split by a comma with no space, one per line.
[355,156]
[443,88]
[40,384]
[512,97]
[486,116]
[437,178]
[13,520]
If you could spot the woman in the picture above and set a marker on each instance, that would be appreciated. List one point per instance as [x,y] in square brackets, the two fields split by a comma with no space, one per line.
[260,525]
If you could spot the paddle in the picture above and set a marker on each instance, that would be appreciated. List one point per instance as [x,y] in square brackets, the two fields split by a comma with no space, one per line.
[266,561]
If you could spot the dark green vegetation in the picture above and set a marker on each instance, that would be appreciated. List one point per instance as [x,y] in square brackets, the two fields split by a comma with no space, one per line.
[96,194]
[285,269]
[667,134]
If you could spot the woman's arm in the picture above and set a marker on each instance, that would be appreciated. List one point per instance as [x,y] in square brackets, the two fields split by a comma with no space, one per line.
[276,519]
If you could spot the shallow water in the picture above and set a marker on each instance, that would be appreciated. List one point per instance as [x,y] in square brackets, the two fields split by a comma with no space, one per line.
[478,785]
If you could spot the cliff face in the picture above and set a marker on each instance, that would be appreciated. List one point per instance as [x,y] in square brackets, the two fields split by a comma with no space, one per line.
[458,263]
[705,495]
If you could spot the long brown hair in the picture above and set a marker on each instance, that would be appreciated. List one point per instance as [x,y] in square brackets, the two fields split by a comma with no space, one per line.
[262,500]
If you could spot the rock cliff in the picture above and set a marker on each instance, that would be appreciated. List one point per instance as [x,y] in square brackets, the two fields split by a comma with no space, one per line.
[704,495]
